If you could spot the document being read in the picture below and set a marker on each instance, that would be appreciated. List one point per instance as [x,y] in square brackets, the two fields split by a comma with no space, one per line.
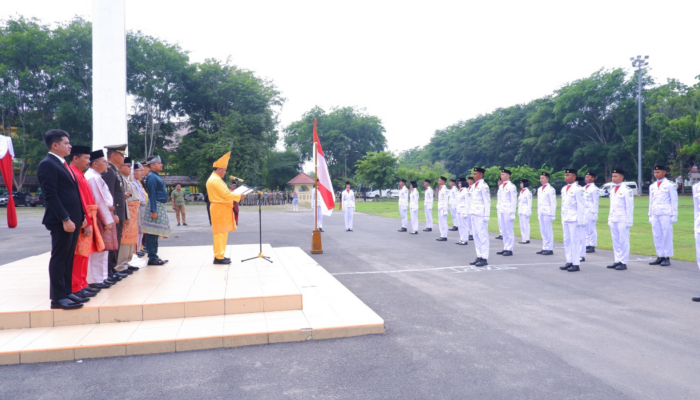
[243,189]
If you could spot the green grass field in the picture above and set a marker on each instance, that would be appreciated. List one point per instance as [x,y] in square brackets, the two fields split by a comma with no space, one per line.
[640,234]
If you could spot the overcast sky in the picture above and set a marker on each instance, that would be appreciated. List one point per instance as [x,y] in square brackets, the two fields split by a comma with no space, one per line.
[419,66]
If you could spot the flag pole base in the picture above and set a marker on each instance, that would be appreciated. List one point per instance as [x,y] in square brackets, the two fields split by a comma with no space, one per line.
[316,246]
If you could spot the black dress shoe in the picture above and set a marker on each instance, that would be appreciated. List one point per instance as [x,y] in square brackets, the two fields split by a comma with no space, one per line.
[85,294]
[507,253]
[500,252]
[658,261]
[540,252]
[163,261]
[178,224]
[126,272]
[696,299]
[574,268]
[320,229]
[222,261]
[350,230]
[442,239]
[184,224]
[590,249]
[567,266]
[92,290]
[454,228]
[621,267]
[475,261]
[462,243]
[471,237]
[583,259]
[77,299]
[666,262]
[109,283]
[548,252]
[614,265]
[115,278]
[524,242]
[413,233]
[133,269]
[403,230]
[99,286]
[499,237]
[481,263]
[155,262]
[428,230]
[65,304]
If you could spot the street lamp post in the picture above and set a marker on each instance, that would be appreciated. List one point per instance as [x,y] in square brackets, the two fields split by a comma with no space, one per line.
[639,63]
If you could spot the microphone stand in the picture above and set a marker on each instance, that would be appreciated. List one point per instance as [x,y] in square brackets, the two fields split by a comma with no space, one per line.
[260,255]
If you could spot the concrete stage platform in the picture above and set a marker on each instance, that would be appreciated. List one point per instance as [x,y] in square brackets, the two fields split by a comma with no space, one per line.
[187,304]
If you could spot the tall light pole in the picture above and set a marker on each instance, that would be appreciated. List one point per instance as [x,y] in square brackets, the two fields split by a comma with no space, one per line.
[639,63]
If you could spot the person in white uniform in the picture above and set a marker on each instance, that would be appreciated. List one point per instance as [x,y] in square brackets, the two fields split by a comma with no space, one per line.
[414,198]
[480,212]
[98,270]
[403,205]
[573,210]
[428,206]
[525,210]
[443,208]
[663,213]
[591,197]
[452,202]
[580,182]
[348,203]
[470,183]
[506,205]
[500,227]
[696,225]
[319,210]
[546,213]
[463,212]
[620,219]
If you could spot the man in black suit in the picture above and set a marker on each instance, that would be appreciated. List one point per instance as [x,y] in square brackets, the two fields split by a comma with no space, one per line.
[117,187]
[63,217]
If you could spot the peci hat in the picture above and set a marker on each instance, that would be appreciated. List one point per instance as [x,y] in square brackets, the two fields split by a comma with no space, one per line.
[506,171]
[443,178]
[591,174]
[453,180]
[470,177]
[618,171]
[479,169]
[571,171]
[660,168]
[127,160]
[79,150]
[97,154]
[545,174]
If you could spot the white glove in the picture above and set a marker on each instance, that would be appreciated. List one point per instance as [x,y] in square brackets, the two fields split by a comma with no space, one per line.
[554,217]
[486,219]
[649,220]
[512,217]
[629,226]
[610,224]
[674,219]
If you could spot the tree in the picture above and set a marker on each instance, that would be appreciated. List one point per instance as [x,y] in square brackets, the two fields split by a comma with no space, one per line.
[377,168]
[281,167]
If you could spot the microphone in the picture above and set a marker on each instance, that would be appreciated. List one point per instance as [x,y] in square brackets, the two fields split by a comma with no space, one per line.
[233,178]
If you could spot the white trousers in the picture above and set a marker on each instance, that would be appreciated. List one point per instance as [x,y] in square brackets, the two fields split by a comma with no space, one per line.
[97,267]
[582,239]
[414,220]
[662,230]
[442,222]
[572,243]
[621,241]
[481,236]
[506,225]
[697,248]
[524,227]
[319,212]
[295,206]
[453,213]
[500,227]
[463,225]
[428,217]
[546,231]
[348,212]
[469,224]
[404,219]
[591,233]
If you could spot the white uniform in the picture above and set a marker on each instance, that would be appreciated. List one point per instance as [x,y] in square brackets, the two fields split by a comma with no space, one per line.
[591,196]
[443,209]
[319,210]
[620,221]
[413,206]
[663,213]
[452,202]
[480,213]
[97,262]
[463,214]
[696,220]
[469,217]
[573,210]
[506,205]
[428,207]
[348,201]
[546,214]
[403,206]
[525,211]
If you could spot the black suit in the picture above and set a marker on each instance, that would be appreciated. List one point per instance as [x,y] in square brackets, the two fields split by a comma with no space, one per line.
[115,183]
[62,199]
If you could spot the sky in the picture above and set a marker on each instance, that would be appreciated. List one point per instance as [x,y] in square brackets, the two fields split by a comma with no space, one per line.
[418,66]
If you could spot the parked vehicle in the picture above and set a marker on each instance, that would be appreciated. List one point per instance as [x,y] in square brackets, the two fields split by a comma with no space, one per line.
[194,197]
[381,193]
[21,198]
[604,191]
[3,200]
[36,201]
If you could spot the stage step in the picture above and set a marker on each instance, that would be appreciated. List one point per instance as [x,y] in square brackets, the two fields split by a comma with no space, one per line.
[329,310]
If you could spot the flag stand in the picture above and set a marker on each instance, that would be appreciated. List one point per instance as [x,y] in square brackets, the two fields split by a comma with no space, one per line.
[316,245]
[260,255]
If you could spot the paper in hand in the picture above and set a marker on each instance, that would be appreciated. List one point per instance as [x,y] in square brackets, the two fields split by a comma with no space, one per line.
[243,189]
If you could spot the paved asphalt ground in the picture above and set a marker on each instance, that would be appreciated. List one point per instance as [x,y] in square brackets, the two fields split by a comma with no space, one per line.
[521,329]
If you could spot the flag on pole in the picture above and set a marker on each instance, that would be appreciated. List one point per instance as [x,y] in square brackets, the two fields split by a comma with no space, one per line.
[325,187]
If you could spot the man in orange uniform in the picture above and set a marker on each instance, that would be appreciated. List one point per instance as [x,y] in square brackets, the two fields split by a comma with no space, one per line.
[221,198]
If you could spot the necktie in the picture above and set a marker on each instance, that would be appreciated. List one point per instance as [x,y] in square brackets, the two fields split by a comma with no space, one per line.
[69,171]
[523,191]
[504,185]
[348,190]
[588,185]
[616,187]
[476,184]
[567,188]
[544,186]
[658,184]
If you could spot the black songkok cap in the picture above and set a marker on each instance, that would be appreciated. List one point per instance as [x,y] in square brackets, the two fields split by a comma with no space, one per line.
[470,177]
[453,180]
[545,174]
[507,171]
[659,168]
[589,173]
[571,171]
[526,183]
[618,171]
[97,154]
[78,150]
[127,160]
[443,179]
[479,169]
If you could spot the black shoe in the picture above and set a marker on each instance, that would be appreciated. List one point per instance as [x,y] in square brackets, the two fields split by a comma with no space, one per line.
[481,263]
[590,249]
[92,290]
[126,272]
[541,252]
[85,294]
[548,252]
[109,282]
[163,261]
[77,299]
[227,259]
[658,261]
[461,243]
[350,230]
[507,253]
[574,268]
[403,230]
[471,237]
[666,262]
[178,224]
[499,237]
[65,304]
[614,265]
[583,259]
[475,261]
[413,233]
[567,266]
[155,262]
[428,230]
[223,261]
[115,278]
[442,239]
[500,252]
[696,299]
[621,267]
[454,228]
[184,224]
[320,229]
[100,285]
[525,242]
[133,269]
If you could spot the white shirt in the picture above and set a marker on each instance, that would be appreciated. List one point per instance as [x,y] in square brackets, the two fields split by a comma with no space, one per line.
[348,199]
[525,202]
[103,198]
[621,205]
[443,195]
[507,198]
[663,198]
[573,207]
[591,198]
[452,198]
[403,197]
[428,199]
[414,197]
[696,206]
[462,201]
[546,200]
[480,204]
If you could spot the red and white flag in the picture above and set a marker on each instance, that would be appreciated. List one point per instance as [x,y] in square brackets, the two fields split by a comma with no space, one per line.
[325,187]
